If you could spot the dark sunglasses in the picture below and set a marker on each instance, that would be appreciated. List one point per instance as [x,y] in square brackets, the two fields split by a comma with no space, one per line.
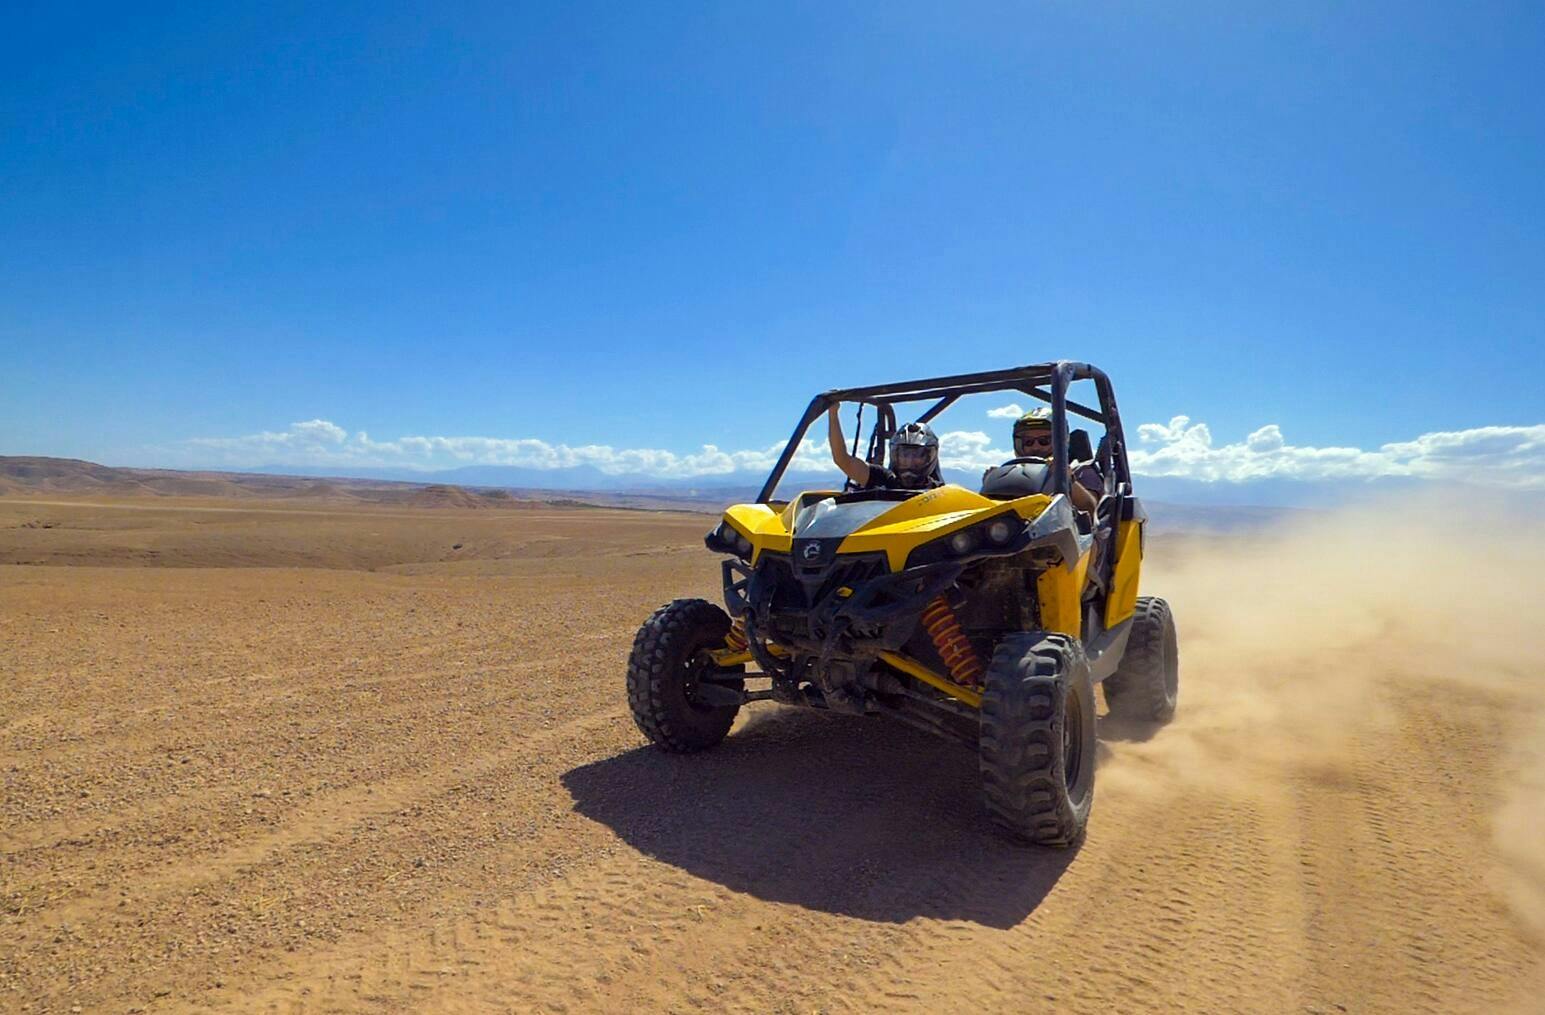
[1040,440]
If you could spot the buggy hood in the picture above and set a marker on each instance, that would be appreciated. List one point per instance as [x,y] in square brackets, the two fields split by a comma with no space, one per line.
[878,521]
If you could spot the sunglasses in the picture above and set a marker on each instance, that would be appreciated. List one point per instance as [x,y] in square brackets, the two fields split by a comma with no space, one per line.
[1033,441]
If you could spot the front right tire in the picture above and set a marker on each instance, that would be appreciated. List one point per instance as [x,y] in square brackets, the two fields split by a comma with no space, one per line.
[668,663]
[1037,744]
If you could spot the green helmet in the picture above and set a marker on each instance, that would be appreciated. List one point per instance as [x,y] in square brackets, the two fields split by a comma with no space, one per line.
[1035,419]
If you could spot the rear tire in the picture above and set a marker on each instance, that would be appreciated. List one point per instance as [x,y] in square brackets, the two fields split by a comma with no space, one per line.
[1037,744]
[670,657]
[1146,686]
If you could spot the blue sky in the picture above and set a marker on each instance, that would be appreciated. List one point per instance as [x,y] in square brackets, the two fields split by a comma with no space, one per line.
[660,227]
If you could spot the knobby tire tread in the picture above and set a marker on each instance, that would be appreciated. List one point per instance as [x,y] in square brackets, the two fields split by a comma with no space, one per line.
[1020,749]
[656,697]
[1137,691]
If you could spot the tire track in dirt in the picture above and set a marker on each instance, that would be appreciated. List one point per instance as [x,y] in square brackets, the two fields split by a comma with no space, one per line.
[907,913]
[263,872]
[138,815]
[323,819]
[1395,896]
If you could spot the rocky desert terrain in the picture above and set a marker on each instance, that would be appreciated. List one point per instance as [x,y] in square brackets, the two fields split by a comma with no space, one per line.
[307,752]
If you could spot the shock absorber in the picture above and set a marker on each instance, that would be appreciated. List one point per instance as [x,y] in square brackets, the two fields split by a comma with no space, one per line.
[951,642]
[736,639]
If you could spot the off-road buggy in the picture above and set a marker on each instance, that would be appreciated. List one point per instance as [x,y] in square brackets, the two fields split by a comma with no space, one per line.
[983,616]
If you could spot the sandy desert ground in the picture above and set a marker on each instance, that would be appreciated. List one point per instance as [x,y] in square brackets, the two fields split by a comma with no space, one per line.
[307,756]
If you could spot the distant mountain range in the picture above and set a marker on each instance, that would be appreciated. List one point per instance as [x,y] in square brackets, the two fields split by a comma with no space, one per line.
[486,487]
[744,485]
[1173,503]
[578,477]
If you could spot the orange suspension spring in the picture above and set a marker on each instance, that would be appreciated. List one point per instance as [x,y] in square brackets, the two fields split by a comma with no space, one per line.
[736,639]
[953,646]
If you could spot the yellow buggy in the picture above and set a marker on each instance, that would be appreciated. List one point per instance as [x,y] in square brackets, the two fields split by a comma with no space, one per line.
[985,615]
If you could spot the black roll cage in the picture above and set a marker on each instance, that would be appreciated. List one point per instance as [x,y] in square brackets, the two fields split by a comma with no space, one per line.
[1047,382]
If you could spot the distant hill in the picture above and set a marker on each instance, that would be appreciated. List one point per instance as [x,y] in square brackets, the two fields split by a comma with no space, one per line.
[24,476]
[570,479]
[27,476]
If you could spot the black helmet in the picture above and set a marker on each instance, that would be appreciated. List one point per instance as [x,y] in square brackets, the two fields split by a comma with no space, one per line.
[914,455]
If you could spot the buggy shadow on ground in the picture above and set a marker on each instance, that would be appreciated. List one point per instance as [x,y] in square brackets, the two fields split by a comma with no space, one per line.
[856,817]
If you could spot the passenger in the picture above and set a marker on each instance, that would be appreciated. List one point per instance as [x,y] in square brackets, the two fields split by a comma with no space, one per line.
[914,458]
[1032,439]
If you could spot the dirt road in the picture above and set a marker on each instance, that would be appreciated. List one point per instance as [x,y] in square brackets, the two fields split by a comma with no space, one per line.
[265,760]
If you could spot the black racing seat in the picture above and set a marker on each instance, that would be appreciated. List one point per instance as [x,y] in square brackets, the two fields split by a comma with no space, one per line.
[1018,477]
[1079,449]
[1021,477]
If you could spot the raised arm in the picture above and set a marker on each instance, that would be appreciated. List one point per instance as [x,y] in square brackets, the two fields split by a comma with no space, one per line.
[855,469]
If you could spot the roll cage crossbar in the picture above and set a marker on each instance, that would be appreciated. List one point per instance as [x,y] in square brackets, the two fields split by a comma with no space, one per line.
[1046,382]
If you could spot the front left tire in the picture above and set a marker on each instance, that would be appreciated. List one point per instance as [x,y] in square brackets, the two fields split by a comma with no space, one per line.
[1037,745]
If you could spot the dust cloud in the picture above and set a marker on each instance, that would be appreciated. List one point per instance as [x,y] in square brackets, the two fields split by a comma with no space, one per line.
[1299,647]
[1520,832]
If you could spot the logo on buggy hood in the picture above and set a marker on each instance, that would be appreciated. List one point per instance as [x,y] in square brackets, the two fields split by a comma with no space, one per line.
[812,550]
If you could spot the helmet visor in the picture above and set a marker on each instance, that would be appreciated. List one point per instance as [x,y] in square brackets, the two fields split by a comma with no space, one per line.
[912,458]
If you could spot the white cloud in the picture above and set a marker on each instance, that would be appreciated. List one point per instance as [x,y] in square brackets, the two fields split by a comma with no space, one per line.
[311,435]
[1265,440]
[1494,455]
[1010,411]
[1505,455]
[322,443]
[969,449]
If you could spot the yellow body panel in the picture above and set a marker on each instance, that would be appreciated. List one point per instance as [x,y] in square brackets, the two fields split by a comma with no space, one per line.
[929,516]
[1061,593]
[937,513]
[1122,601]
[896,533]
[762,525]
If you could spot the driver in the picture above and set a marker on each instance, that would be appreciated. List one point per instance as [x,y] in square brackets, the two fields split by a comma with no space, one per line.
[1032,439]
[914,458]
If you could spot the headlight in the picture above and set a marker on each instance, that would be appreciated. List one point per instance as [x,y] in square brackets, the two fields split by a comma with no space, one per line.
[1001,535]
[963,542]
[726,539]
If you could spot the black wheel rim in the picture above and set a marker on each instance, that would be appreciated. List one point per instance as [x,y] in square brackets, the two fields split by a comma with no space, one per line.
[1072,740]
[1171,665]
[697,666]
[698,669]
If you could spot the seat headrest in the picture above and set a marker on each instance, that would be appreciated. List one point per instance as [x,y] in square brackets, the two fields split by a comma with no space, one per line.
[1078,446]
[1016,479]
